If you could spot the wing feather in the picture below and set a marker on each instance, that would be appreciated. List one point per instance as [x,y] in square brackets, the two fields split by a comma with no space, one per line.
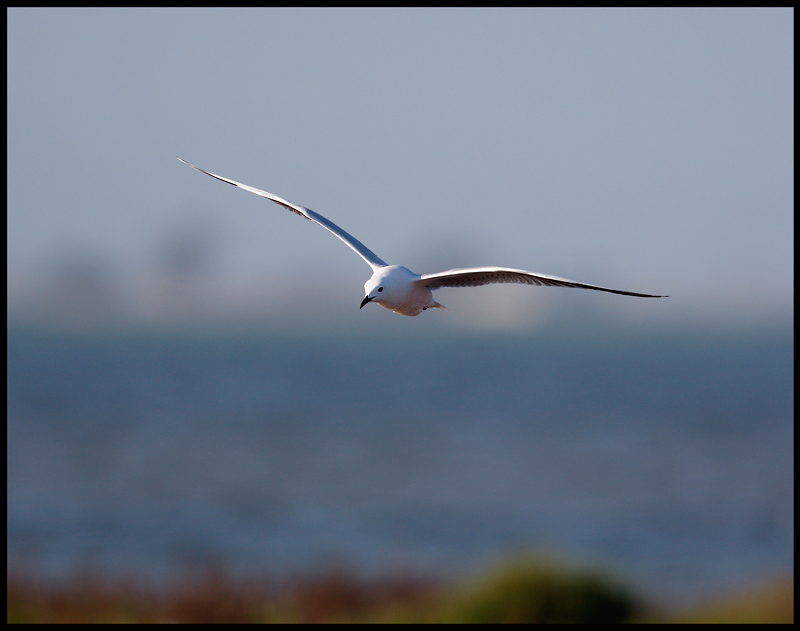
[474,276]
[363,251]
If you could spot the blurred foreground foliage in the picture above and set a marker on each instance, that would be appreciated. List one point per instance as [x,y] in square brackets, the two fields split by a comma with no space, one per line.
[528,590]
[539,591]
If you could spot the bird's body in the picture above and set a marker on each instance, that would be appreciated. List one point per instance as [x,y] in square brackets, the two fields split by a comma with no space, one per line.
[399,289]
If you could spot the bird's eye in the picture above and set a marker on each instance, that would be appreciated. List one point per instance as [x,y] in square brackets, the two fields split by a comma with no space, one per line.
[380,288]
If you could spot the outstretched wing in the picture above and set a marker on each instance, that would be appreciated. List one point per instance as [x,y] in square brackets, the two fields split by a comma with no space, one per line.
[474,276]
[363,251]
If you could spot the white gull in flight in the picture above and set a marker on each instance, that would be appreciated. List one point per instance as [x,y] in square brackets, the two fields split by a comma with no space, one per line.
[399,289]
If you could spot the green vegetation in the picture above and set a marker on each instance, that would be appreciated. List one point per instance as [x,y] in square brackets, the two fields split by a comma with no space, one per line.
[526,590]
[537,591]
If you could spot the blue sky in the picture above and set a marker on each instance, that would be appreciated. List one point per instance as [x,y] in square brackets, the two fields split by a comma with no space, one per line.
[646,150]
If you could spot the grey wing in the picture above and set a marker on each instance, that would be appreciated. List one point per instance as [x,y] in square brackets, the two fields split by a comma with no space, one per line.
[474,276]
[363,251]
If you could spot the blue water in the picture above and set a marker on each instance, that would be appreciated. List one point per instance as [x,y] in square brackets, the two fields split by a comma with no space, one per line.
[668,460]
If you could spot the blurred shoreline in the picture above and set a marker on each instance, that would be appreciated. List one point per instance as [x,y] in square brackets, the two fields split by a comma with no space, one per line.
[517,590]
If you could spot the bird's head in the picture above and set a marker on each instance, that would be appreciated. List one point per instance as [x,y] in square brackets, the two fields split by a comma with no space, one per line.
[389,286]
[377,288]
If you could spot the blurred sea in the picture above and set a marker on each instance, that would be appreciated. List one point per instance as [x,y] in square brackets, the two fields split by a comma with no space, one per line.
[669,460]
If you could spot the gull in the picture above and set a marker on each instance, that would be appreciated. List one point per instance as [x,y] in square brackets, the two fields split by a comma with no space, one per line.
[399,289]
